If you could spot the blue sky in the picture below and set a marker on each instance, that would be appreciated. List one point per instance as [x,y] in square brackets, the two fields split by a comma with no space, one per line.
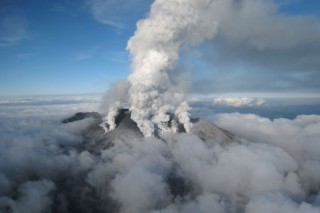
[57,47]
[65,47]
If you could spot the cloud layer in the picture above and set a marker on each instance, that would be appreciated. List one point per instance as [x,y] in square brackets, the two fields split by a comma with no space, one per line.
[269,166]
[238,102]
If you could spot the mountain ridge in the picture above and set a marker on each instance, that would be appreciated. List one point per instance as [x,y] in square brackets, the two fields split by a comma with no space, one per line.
[97,140]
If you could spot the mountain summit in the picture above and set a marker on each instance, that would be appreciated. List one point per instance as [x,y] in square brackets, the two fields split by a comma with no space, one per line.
[97,140]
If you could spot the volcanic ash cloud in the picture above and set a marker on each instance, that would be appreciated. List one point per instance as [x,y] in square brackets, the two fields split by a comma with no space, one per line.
[154,49]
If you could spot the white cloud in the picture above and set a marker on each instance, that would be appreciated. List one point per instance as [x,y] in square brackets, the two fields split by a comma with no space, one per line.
[238,102]
[44,161]
[51,106]
[115,12]
[13,29]
[297,136]
[79,56]
[24,56]
[37,150]
[277,203]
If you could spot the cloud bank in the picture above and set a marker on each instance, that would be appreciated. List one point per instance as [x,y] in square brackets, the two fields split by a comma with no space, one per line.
[295,136]
[268,166]
[238,102]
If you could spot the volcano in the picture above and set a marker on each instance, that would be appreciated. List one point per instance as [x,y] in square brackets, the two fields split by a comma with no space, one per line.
[85,169]
[96,140]
[76,193]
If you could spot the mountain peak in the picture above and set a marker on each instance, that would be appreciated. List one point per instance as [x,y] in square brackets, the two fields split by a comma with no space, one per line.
[97,140]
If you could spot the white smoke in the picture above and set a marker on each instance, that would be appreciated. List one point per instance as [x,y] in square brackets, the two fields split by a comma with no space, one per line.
[245,31]
[155,49]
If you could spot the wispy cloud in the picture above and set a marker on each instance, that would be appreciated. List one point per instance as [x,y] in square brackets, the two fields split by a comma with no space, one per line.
[117,57]
[13,29]
[238,102]
[66,7]
[104,12]
[83,55]
[115,12]
[87,53]
[24,56]
[120,57]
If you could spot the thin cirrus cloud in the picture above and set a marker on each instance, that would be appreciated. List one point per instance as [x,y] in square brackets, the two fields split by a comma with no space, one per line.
[83,55]
[111,56]
[116,13]
[238,102]
[13,29]
[25,56]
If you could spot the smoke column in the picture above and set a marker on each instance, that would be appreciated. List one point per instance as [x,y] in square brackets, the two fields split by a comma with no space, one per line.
[154,49]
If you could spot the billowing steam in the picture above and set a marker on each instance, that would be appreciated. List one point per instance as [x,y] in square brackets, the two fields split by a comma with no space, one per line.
[155,49]
[251,30]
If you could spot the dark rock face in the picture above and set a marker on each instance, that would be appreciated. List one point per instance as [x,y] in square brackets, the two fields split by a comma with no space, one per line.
[73,194]
[209,132]
[121,115]
[178,185]
[97,140]
[82,115]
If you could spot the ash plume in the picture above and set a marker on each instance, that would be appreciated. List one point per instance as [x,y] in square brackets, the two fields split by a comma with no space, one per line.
[241,31]
[155,49]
